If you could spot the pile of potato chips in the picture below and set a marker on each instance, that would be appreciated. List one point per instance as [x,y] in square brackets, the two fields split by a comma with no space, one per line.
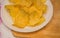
[27,12]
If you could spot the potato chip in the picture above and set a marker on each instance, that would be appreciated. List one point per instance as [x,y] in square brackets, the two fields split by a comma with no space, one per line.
[38,1]
[35,15]
[43,1]
[26,3]
[41,20]
[42,7]
[19,16]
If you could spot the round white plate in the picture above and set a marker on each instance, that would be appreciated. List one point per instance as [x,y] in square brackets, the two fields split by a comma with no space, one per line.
[7,20]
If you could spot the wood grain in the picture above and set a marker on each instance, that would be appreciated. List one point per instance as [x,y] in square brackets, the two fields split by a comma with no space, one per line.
[52,30]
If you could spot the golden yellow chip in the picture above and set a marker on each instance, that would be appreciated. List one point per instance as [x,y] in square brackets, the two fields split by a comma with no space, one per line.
[19,16]
[26,3]
[26,9]
[43,1]
[42,7]
[35,15]
[38,1]
[41,20]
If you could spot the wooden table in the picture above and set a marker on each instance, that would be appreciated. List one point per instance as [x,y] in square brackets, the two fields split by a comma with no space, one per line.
[52,30]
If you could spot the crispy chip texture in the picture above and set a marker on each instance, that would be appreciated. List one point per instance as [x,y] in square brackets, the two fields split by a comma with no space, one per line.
[27,12]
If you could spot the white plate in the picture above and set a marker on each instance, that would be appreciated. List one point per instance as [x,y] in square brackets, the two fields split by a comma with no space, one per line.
[8,21]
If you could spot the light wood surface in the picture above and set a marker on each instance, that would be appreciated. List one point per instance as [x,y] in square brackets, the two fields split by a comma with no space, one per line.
[52,30]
